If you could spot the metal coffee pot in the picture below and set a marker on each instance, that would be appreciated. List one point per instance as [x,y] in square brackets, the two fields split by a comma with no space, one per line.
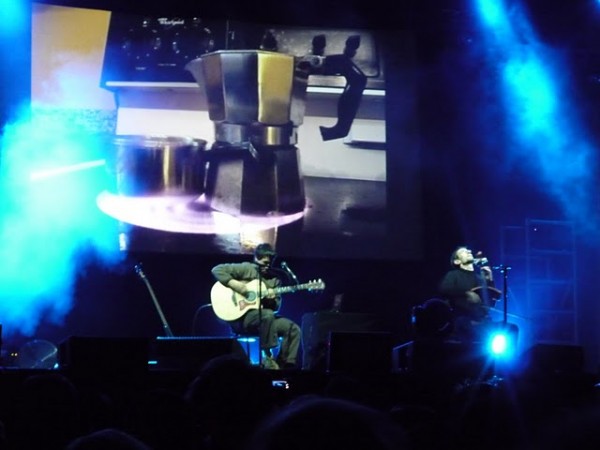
[256,99]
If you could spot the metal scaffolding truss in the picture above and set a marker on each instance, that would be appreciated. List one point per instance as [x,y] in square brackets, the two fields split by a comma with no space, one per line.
[541,255]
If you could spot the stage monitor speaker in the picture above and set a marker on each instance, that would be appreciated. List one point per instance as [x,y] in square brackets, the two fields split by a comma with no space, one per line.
[440,359]
[554,359]
[191,353]
[317,326]
[104,356]
[359,352]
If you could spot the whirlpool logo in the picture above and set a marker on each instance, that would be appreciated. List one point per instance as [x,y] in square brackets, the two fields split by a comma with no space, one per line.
[170,22]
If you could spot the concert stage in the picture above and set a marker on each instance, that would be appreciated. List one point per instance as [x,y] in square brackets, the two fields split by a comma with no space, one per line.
[414,371]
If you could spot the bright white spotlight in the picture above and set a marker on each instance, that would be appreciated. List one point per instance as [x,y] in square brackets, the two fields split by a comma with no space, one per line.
[502,342]
[499,344]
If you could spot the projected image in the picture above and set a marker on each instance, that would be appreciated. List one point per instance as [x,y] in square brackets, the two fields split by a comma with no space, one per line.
[226,134]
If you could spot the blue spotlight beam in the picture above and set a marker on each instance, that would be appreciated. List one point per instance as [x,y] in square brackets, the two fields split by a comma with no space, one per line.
[546,138]
[15,58]
[50,173]
[49,227]
[15,16]
[493,14]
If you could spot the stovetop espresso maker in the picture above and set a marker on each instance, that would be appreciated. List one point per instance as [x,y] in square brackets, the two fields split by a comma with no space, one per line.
[256,99]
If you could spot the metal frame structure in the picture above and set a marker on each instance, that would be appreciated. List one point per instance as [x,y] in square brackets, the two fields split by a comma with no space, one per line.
[542,256]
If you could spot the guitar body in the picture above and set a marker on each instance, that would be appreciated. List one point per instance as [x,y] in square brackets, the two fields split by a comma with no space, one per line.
[228,305]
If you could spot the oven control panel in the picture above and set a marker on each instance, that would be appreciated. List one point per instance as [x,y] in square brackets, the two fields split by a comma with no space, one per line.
[156,49]
[143,50]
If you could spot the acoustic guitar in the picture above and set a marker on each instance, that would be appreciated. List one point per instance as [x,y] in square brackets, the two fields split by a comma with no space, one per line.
[228,305]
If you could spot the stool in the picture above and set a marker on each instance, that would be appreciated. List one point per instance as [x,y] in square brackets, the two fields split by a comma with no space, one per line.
[251,345]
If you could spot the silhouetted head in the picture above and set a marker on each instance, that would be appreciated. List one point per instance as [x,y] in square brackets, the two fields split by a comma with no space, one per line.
[325,423]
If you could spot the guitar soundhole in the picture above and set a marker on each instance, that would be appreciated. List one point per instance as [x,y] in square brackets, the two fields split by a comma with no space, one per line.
[251,296]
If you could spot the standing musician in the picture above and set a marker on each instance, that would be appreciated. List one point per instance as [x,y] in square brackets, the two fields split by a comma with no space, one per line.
[470,292]
[261,320]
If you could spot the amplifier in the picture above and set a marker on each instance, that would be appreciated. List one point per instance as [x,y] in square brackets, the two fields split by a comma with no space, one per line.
[364,353]
[191,352]
[316,329]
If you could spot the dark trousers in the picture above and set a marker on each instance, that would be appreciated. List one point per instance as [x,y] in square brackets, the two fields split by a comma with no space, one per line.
[271,328]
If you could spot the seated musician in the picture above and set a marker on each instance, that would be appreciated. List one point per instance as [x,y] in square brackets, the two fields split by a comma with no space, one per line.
[469,288]
[248,279]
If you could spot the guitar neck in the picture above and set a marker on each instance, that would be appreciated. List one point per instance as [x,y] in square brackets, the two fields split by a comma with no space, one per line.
[287,289]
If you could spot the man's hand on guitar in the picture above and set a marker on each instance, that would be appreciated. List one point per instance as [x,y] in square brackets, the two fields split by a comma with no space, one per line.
[239,287]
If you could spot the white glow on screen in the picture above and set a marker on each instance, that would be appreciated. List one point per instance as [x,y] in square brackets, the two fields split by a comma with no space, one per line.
[49,173]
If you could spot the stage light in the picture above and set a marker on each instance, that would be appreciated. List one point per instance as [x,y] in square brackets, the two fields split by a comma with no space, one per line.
[498,344]
[502,342]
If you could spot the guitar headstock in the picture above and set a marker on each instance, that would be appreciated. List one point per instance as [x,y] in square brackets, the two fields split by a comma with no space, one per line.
[315,285]
[139,271]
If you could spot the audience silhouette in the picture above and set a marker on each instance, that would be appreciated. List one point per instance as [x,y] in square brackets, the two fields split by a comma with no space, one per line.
[317,422]
[230,404]
[46,414]
[108,439]
[228,399]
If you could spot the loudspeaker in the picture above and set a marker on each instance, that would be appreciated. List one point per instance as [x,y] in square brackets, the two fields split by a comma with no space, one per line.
[104,356]
[552,358]
[191,353]
[317,326]
[359,352]
[440,359]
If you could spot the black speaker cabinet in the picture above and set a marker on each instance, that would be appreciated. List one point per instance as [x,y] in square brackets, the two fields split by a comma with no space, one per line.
[359,352]
[191,353]
[439,359]
[316,328]
[554,359]
[104,356]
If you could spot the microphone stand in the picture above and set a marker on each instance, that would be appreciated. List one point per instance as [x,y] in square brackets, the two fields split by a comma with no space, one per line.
[260,331]
[504,271]
[139,271]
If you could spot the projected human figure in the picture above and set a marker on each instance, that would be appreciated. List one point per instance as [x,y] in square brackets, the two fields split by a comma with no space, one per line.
[469,288]
[237,297]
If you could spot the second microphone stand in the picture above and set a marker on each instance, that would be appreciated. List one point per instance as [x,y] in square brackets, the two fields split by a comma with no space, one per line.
[504,271]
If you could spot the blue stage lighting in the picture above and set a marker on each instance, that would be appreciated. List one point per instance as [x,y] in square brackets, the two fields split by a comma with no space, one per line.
[492,12]
[501,343]
[498,344]
[15,16]
[534,87]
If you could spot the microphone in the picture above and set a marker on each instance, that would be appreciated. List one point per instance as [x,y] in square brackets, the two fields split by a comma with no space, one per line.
[478,262]
[289,271]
